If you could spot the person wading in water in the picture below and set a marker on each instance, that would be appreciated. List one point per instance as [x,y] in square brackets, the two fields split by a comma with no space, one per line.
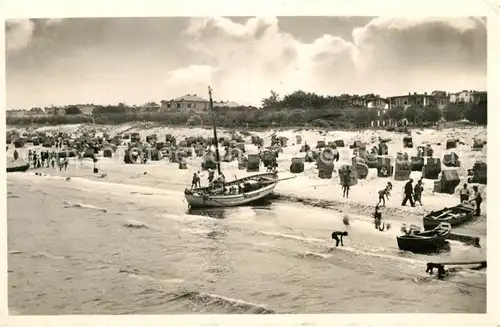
[336,235]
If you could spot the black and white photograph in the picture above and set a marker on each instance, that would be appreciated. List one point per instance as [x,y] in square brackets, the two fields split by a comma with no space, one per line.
[246,165]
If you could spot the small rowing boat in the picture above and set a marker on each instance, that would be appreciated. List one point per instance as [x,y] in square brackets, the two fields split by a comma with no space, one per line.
[14,166]
[453,216]
[424,242]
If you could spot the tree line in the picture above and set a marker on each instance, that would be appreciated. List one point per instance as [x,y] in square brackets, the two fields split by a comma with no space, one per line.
[297,109]
[473,111]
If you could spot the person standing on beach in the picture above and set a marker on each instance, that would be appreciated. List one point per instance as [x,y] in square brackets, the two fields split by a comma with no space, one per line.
[34,159]
[377,215]
[408,193]
[418,189]
[464,194]
[346,183]
[382,194]
[478,199]
[16,155]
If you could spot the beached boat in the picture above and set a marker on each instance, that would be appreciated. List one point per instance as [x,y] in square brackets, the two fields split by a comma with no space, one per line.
[235,193]
[454,216]
[424,242]
[14,166]
[238,192]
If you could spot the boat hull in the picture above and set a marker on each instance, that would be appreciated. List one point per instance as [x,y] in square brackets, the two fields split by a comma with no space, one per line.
[14,166]
[16,169]
[421,246]
[431,221]
[211,201]
[425,242]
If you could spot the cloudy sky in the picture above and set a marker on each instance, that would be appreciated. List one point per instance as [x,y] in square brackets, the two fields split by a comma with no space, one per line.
[135,60]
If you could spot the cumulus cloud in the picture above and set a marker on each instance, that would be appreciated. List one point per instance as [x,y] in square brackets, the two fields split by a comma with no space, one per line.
[96,61]
[19,32]
[388,55]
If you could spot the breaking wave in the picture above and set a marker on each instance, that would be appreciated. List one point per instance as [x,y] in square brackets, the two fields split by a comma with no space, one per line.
[68,204]
[230,305]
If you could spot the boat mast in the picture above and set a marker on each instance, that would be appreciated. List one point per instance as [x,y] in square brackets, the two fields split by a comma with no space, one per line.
[214,121]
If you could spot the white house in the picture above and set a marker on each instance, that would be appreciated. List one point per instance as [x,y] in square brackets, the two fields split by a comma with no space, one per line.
[464,96]
[188,101]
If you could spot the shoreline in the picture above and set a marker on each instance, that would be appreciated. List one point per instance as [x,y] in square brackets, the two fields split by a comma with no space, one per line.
[327,201]
[153,124]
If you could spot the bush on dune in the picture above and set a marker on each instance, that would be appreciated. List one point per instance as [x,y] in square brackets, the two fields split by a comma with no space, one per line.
[226,117]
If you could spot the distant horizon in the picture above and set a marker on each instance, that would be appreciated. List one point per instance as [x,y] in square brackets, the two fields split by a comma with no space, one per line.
[105,61]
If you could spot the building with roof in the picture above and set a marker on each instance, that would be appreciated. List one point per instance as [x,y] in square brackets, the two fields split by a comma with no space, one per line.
[188,101]
[55,111]
[480,96]
[86,109]
[406,101]
[461,97]
[16,113]
[440,99]
[466,96]
[226,104]
[378,103]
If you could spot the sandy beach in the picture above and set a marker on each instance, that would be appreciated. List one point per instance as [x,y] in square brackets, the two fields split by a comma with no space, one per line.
[73,248]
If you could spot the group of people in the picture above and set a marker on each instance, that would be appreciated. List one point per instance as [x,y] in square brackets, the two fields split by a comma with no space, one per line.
[212,181]
[46,160]
[413,194]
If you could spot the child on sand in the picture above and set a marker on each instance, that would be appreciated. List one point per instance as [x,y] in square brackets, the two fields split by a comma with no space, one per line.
[378,218]
[382,194]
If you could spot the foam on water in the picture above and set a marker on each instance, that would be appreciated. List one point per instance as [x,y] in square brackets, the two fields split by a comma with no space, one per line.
[68,204]
[230,305]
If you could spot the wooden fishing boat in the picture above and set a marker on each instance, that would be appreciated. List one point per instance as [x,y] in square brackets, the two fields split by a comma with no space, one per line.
[14,166]
[238,192]
[425,242]
[454,216]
